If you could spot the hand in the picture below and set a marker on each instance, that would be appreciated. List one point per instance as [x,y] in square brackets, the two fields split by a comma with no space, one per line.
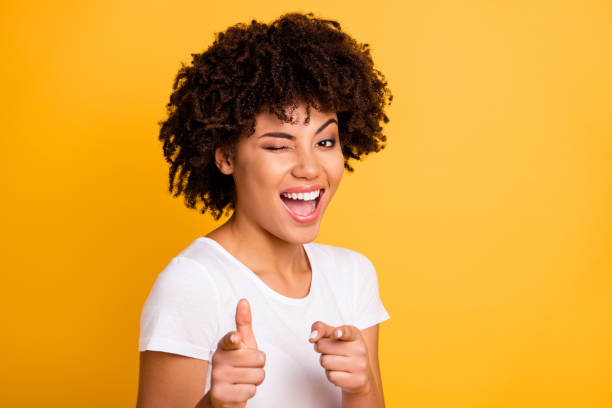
[237,365]
[344,356]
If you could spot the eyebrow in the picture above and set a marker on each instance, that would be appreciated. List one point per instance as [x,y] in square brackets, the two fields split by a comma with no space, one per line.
[291,137]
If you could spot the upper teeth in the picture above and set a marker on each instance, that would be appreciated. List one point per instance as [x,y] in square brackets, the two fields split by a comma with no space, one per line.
[303,196]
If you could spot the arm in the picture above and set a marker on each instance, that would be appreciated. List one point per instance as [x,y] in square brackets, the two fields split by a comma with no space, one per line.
[170,380]
[175,381]
[375,397]
[178,327]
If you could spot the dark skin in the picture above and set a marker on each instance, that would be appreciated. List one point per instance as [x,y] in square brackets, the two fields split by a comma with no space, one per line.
[268,241]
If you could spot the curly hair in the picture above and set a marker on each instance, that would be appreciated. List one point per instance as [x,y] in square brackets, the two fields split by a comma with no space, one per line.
[297,58]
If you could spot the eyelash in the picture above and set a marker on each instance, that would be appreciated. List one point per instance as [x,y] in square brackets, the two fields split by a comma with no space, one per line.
[284,147]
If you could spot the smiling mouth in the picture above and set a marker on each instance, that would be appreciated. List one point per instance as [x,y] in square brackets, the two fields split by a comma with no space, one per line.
[304,206]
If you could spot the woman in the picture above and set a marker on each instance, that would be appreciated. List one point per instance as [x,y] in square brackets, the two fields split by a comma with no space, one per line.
[263,123]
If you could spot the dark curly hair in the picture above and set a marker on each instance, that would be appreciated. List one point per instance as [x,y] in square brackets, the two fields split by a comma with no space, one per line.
[297,58]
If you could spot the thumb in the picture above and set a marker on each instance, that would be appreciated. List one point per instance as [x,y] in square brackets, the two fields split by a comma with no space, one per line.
[243,323]
[320,330]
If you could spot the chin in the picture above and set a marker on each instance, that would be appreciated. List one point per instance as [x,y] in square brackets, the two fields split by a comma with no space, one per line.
[301,234]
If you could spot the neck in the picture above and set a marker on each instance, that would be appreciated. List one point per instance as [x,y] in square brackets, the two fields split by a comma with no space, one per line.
[260,251]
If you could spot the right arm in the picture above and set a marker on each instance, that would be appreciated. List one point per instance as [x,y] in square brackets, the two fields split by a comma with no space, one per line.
[176,381]
[171,381]
[177,329]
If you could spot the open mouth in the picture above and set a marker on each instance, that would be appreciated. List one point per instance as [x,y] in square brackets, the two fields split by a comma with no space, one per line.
[302,205]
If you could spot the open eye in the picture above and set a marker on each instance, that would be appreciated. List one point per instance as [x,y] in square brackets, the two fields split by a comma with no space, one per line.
[331,142]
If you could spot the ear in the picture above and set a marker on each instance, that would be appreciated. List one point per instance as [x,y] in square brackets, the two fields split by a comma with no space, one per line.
[224,160]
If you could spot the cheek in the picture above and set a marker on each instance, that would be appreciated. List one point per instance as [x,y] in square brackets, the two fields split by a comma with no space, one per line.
[259,172]
[335,169]
[269,170]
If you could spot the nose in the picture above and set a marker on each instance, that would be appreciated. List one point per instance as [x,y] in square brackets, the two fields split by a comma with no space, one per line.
[307,164]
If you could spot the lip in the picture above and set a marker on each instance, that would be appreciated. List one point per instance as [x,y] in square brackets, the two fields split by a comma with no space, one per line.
[303,189]
[304,219]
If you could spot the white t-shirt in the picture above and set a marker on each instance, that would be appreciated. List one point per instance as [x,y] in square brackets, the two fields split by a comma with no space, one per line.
[192,304]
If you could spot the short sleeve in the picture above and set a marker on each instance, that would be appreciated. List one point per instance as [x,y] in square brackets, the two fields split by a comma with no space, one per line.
[180,315]
[369,309]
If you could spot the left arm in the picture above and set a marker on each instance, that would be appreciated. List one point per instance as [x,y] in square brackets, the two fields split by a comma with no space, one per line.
[375,397]
[350,359]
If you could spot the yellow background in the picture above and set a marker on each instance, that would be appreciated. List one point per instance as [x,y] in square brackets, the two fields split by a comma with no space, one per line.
[487,216]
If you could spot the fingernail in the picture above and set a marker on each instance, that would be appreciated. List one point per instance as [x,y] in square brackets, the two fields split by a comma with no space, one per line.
[314,334]
[339,333]
[233,338]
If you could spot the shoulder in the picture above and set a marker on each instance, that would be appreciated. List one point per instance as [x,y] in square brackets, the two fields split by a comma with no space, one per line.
[183,290]
[340,255]
[185,274]
[344,265]
[183,269]
[354,281]
[199,260]
[181,313]
[182,281]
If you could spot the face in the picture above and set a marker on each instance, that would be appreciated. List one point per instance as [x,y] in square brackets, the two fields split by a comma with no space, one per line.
[287,173]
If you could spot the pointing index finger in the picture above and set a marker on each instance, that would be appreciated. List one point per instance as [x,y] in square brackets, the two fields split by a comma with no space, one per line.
[320,330]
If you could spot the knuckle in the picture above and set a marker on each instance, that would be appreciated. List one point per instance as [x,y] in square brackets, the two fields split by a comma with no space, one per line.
[363,379]
[362,349]
[231,396]
[363,364]
[252,390]
[218,374]
[219,356]
[215,376]
[219,393]
[261,377]
[215,358]
[214,393]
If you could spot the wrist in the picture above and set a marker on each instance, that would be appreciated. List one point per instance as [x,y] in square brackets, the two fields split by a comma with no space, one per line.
[357,393]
